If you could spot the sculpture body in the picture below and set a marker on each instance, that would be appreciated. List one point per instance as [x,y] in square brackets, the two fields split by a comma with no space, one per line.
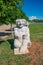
[22,38]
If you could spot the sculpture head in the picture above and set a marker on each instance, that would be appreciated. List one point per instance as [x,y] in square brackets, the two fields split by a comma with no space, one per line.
[21,22]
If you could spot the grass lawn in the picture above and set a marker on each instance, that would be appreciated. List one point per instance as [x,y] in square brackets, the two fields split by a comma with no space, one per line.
[36,31]
[6,49]
[7,57]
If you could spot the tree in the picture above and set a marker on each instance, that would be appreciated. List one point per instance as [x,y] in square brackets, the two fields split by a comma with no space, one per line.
[21,15]
[10,10]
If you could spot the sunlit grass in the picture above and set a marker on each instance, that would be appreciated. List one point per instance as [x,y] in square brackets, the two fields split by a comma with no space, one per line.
[36,31]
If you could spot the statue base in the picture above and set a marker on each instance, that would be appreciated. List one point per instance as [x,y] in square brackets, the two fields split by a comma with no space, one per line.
[22,51]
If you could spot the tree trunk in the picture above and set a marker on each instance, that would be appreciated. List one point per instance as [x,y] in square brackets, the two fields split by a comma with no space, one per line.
[11,29]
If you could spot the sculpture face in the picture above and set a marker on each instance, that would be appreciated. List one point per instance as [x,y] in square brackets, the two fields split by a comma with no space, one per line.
[22,36]
[21,22]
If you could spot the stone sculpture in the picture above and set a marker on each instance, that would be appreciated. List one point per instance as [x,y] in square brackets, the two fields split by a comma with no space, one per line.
[21,37]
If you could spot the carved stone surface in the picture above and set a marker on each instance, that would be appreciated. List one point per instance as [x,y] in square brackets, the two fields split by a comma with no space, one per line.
[21,37]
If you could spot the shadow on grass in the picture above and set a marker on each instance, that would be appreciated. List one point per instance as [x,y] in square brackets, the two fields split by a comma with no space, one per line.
[4,34]
[10,29]
[1,41]
[11,42]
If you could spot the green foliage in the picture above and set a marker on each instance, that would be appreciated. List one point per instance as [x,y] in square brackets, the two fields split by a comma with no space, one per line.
[10,10]
[20,14]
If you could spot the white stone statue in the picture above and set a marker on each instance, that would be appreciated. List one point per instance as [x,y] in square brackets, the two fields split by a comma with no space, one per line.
[22,37]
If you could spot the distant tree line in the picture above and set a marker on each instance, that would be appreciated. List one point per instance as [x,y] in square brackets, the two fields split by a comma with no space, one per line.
[36,21]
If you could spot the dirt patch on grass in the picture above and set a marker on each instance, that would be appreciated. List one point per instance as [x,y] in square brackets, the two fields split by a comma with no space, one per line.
[36,51]
[35,57]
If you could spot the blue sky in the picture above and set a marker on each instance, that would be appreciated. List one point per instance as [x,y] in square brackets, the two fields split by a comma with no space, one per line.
[33,8]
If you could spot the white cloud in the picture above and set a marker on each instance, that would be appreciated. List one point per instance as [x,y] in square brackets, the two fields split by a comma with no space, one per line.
[32,17]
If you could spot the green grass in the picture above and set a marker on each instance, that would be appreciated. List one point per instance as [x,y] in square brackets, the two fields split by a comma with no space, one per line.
[7,57]
[6,48]
[36,31]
